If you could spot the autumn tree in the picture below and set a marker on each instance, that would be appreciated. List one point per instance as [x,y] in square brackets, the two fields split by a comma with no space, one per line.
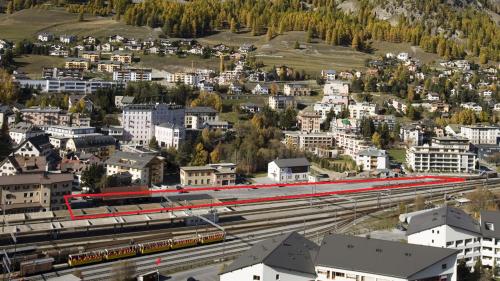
[208,99]
[200,157]
[8,91]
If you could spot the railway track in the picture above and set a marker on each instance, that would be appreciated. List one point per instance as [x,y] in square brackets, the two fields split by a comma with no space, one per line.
[177,260]
[275,213]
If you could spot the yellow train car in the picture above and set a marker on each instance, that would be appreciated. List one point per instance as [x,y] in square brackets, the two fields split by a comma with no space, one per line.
[184,243]
[118,253]
[153,247]
[212,238]
[85,258]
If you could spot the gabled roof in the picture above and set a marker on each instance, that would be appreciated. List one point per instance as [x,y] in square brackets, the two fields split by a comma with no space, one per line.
[381,257]
[490,224]
[40,142]
[443,216]
[288,251]
[26,164]
[292,162]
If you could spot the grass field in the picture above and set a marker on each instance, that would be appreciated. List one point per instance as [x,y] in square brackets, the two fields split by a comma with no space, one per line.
[173,63]
[32,65]
[398,154]
[28,23]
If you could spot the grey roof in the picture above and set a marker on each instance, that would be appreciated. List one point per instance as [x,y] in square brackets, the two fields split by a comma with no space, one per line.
[388,258]
[288,251]
[169,125]
[372,151]
[24,127]
[443,216]
[292,162]
[200,109]
[93,141]
[491,217]
[130,160]
[127,99]
[43,178]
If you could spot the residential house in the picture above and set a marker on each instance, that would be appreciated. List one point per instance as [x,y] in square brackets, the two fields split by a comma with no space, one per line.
[23,131]
[142,168]
[169,135]
[195,117]
[288,170]
[372,159]
[296,89]
[287,257]
[35,192]
[280,102]
[77,63]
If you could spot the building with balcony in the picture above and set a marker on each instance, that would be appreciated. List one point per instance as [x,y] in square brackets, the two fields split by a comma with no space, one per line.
[480,134]
[444,154]
[280,102]
[372,159]
[77,63]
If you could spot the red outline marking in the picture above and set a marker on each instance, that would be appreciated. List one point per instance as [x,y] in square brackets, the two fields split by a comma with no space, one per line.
[437,180]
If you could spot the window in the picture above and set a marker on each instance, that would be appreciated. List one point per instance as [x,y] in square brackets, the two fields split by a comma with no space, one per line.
[277,277]
[444,266]
[489,226]
[256,277]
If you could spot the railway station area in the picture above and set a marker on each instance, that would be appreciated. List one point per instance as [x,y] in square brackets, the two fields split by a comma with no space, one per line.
[149,208]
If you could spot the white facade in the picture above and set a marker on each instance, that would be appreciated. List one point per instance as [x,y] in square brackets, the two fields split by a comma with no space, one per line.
[324,109]
[18,137]
[372,159]
[445,236]
[263,272]
[191,79]
[286,174]
[132,75]
[336,92]
[169,135]
[446,269]
[472,106]
[478,134]
[72,86]
[360,110]
[281,102]
[443,155]
[139,120]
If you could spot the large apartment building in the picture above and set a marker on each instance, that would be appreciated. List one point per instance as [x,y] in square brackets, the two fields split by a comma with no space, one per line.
[309,141]
[480,134]
[280,102]
[360,110]
[309,121]
[67,85]
[444,154]
[46,116]
[139,120]
[296,89]
[34,192]
[133,74]
[195,117]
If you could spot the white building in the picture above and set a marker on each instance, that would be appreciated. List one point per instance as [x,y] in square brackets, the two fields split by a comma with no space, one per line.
[472,106]
[351,143]
[288,257]
[195,117]
[45,37]
[336,92]
[346,258]
[142,168]
[447,227]
[403,56]
[133,74]
[479,134]
[169,135]
[445,154]
[139,120]
[360,110]
[260,90]
[372,159]
[325,108]
[70,132]
[190,79]
[490,242]
[62,86]
[411,135]
[23,131]
[288,170]
[280,102]
[329,74]
[452,228]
